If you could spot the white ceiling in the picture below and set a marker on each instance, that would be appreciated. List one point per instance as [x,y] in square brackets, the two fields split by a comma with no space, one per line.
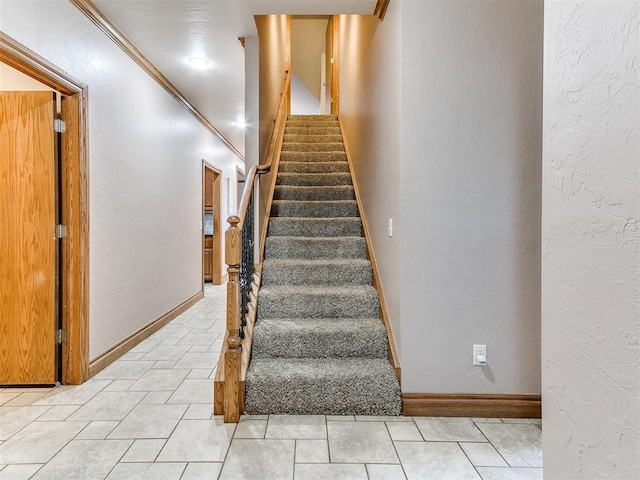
[170,31]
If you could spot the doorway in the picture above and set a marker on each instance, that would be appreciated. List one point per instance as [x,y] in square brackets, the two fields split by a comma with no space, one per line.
[44,233]
[312,60]
[239,187]
[211,232]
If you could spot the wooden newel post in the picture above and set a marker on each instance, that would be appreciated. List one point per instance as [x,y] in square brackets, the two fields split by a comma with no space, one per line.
[232,358]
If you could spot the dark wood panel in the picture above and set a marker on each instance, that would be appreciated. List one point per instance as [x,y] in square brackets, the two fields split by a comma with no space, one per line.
[472,405]
[208,189]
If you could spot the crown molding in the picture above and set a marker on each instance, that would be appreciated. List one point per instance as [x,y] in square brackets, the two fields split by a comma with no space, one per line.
[114,33]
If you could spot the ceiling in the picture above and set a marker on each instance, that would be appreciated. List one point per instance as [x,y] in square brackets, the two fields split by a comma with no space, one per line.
[168,32]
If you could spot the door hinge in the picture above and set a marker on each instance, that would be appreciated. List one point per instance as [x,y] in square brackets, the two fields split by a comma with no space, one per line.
[61,336]
[59,126]
[61,231]
[332,60]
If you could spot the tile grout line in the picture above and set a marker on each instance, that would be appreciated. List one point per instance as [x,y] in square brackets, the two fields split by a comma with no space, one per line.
[395,449]
[469,460]
[491,443]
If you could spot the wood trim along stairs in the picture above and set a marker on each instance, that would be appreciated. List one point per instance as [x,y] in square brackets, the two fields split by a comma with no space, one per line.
[115,34]
[381,9]
[393,350]
[218,382]
[115,352]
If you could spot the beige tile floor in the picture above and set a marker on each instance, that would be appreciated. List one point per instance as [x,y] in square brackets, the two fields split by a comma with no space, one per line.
[148,416]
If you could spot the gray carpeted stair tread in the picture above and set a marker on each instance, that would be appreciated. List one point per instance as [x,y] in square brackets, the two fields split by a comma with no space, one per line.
[315,227]
[315,248]
[319,338]
[298,386]
[319,346]
[311,138]
[338,271]
[314,179]
[319,130]
[318,301]
[312,147]
[318,208]
[313,156]
[313,167]
[290,192]
[317,118]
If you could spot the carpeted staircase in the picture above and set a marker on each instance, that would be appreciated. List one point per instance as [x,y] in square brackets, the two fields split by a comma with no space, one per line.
[319,346]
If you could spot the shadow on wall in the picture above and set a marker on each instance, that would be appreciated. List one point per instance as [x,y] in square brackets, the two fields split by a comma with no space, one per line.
[302,100]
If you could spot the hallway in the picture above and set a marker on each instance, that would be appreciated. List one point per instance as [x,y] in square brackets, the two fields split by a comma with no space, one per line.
[148,416]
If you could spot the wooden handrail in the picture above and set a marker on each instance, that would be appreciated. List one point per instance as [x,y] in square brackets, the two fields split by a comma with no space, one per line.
[234,358]
[261,169]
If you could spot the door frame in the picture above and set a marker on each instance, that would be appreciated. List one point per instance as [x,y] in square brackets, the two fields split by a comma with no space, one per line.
[217,224]
[75,208]
[335,65]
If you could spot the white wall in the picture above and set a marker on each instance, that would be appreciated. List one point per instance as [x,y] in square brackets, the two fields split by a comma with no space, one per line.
[145,157]
[251,102]
[302,100]
[463,183]
[590,263]
[470,149]
[370,69]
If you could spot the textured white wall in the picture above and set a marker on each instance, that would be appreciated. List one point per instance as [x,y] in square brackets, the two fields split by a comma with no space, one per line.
[252,102]
[590,265]
[145,156]
[445,117]
[470,149]
[370,111]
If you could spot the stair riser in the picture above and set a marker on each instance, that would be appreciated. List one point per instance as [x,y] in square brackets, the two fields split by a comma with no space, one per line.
[342,274]
[313,167]
[312,227]
[348,208]
[270,342]
[315,249]
[314,179]
[294,400]
[313,193]
[313,156]
[315,392]
[315,118]
[312,131]
[302,138]
[341,305]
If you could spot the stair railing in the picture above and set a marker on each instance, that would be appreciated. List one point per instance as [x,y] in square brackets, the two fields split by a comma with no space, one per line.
[244,274]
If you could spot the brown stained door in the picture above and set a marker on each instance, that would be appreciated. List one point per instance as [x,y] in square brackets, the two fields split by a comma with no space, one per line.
[27,243]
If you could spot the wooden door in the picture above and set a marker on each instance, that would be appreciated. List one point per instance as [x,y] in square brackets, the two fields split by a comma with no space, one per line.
[27,244]
[212,253]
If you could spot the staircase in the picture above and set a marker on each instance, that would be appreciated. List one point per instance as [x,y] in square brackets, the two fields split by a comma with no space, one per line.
[319,346]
